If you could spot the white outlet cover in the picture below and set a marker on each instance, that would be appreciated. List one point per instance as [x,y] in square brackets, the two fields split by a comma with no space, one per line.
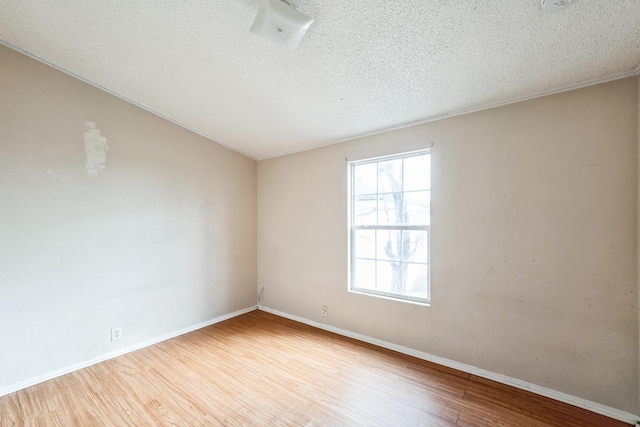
[116,334]
[551,6]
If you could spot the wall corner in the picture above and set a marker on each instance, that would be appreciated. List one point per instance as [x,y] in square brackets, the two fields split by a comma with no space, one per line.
[638,231]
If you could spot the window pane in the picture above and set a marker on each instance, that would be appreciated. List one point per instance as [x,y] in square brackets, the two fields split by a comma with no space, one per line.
[365,210]
[389,276]
[415,246]
[417,173]
[417,280]
[390,208]
[393,194]
[365,177]
[389,245]
[390,176]
[365,274]
[365,244]
[416,207]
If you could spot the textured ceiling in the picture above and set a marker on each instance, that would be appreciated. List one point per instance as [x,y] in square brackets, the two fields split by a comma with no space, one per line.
[364,66]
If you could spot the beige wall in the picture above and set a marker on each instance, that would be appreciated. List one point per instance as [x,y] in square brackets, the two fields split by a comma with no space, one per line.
[534,251]
[162,238]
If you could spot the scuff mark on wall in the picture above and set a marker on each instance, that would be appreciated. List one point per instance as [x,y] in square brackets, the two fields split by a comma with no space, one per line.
[96,148]
[192,208]
[57,178]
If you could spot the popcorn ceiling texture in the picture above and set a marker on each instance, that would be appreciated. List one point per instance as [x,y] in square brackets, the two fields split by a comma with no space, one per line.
[364,66]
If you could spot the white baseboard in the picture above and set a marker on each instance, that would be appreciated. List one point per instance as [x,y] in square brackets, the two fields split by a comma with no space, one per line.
[514,382]
[68,369]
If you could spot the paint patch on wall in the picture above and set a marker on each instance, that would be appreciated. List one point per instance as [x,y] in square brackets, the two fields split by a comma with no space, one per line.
[96,148]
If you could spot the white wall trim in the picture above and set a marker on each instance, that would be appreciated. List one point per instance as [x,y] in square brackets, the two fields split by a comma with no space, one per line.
[137,346]
[514,382]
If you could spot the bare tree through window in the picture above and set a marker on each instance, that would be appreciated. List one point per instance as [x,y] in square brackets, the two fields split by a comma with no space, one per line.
[390,226]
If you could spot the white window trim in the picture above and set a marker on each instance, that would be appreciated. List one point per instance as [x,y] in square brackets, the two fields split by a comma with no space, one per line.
[351,234]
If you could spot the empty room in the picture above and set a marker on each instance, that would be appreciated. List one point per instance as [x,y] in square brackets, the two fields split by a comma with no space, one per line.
[319,213]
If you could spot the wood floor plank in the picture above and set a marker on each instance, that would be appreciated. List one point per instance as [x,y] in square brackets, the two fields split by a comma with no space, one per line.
[259,369]
[505,399]
[430,366]
[10,413]
[436,379]
[557,413]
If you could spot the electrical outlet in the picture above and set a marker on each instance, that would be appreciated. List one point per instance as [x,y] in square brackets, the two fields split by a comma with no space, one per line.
[325,310]
[116,333]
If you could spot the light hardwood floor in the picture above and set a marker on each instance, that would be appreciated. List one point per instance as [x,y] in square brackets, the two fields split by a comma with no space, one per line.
[262,370]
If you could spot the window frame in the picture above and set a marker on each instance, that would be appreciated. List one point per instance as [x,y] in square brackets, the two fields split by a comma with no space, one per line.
[351,165]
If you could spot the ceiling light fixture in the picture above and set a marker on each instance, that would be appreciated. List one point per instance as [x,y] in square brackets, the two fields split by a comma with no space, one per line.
[281,24]
[550,6]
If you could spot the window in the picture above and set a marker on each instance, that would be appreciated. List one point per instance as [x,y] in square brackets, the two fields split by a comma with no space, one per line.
[390,201]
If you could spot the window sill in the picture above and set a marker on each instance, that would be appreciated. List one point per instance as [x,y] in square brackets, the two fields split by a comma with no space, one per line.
[390,297]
